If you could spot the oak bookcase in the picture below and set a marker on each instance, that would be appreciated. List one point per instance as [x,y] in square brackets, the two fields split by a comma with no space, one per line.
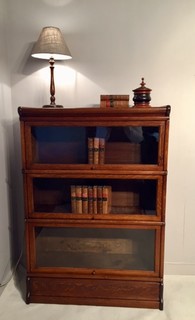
[110,257]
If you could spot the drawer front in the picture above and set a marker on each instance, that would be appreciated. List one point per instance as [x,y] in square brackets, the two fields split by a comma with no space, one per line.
[94,291]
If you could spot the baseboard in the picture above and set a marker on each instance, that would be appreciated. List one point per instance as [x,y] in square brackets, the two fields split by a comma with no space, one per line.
[179,268]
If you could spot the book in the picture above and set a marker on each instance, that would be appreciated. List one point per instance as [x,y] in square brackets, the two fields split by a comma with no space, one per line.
[114,97]
[114,101]
[96,150]
[90,150]
[101,151]
[109,198]
[99,200]
[95,199]
[84,199]
[106,199]
[87,199]
[78,199]
[73,198]
[114,104]
[90,199]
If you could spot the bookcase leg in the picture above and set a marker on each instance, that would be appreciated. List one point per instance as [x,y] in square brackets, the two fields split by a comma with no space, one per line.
[27,290]
[161,296]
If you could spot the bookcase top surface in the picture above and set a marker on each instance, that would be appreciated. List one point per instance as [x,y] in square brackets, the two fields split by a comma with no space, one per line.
[62,113]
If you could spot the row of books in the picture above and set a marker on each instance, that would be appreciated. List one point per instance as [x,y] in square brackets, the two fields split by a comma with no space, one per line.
[91,199]
[119,101]
[96,150]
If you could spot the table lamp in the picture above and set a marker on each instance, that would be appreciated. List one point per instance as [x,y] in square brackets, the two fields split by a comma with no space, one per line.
[51,46]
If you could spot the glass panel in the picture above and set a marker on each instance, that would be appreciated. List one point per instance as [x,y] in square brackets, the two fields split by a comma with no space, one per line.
[130,145]
[120,249]
[95,196]
[59,145]
[95,145]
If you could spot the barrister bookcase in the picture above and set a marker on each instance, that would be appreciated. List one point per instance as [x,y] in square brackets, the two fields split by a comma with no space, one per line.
[95,193]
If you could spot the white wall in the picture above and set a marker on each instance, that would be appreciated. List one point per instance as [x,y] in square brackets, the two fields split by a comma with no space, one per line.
[114,43]
[6,140]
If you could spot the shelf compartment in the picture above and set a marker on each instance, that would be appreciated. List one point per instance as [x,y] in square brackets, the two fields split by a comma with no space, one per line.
[139,195]
[135,144]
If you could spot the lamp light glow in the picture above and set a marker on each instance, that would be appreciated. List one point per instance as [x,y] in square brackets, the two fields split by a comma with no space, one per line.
[51,46]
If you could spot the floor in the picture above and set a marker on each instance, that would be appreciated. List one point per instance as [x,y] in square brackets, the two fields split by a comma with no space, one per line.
[179,296]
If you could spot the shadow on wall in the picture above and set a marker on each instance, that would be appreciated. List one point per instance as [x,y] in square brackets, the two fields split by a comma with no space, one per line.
[16,208]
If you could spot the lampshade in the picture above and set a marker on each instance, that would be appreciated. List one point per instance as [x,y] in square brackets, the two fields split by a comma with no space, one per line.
[51,44]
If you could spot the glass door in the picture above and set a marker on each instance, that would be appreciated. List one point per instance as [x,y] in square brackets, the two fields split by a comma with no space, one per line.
[138,144]
[96,248]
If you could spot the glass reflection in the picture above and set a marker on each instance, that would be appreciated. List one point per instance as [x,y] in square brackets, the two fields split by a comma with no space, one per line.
[136,144]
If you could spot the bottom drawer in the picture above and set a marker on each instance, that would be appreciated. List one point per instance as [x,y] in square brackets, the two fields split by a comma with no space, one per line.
[105,292]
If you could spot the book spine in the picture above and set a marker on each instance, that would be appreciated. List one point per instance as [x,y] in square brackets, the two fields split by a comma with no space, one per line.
[78,199]
[95,211]
[99,200]
[114,104]
[84,199]
[104,199]
[109,198]
[90,150]
[114,97]
[73,198]
[90,199]
[102,151]
[96,150]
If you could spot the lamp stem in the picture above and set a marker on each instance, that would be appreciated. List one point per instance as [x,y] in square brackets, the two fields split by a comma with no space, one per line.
[52,84]
[52,87]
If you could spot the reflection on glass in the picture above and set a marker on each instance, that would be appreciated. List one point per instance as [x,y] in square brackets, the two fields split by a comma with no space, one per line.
[135,196]
[130,145]
[100,248]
